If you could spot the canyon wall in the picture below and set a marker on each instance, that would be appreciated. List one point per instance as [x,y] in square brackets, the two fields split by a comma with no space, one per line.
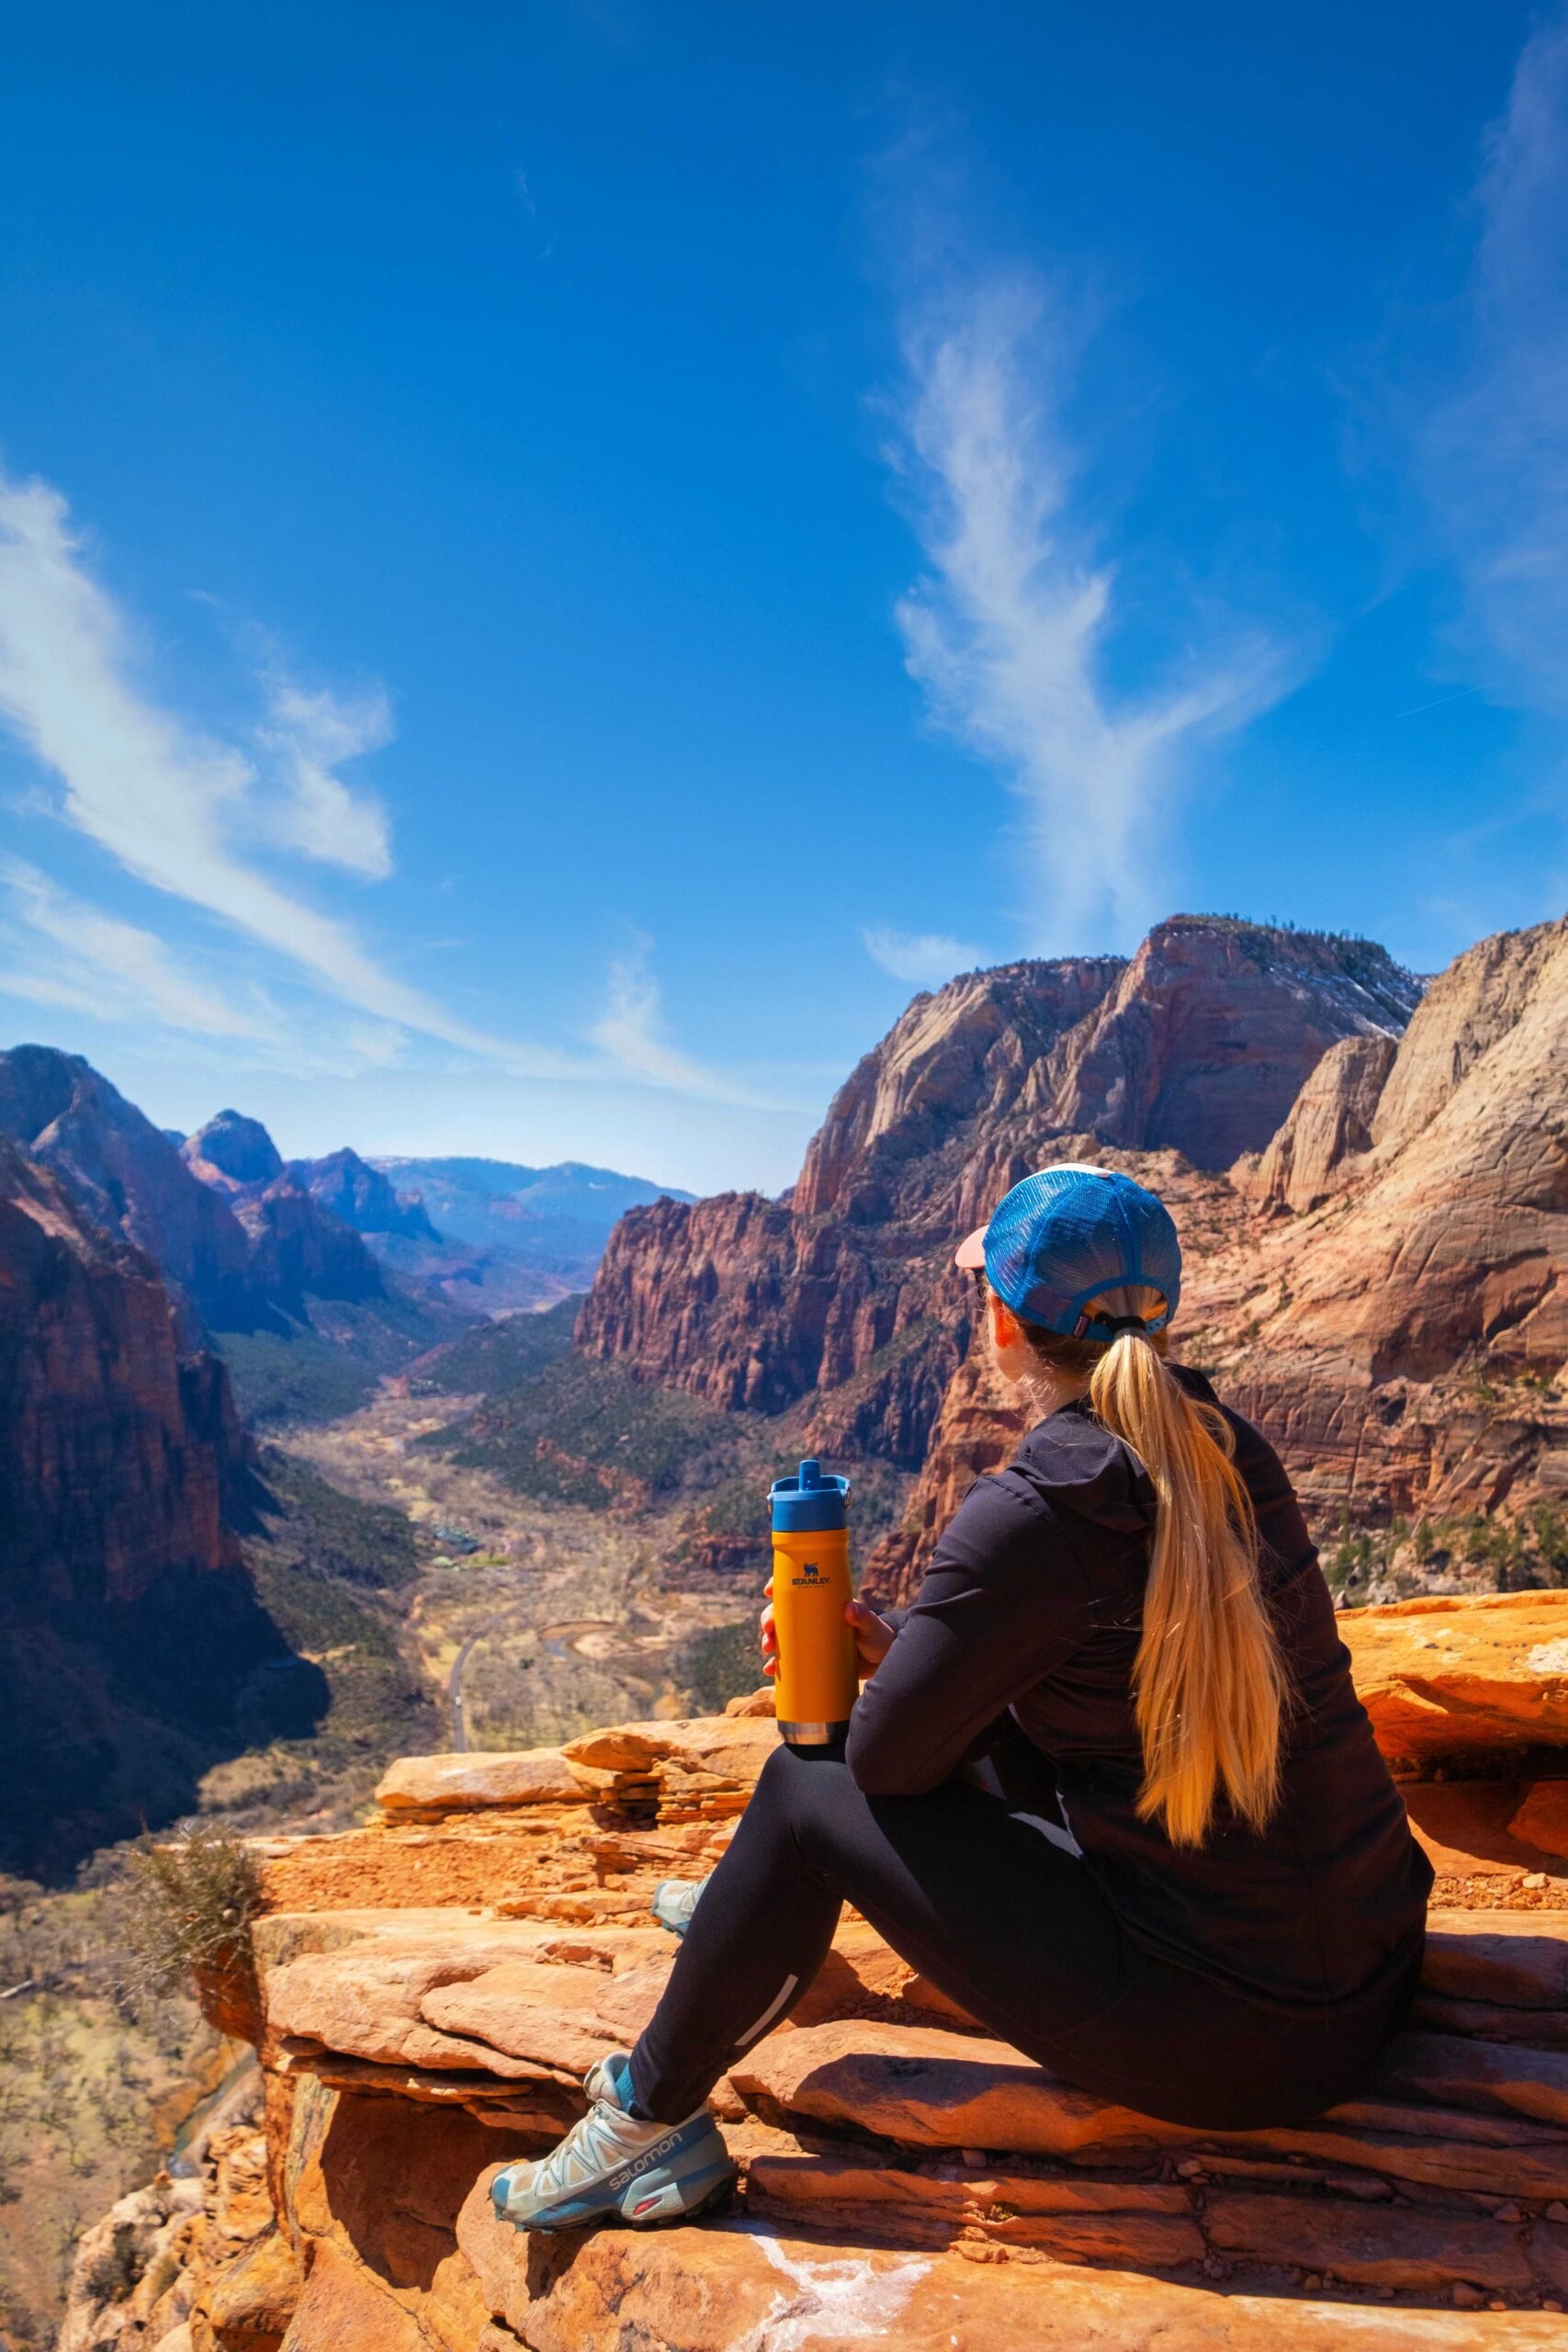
[129,1627]
[243,1241]
[843,1294]
[125,1175]
[1404,1339]
[115,1447]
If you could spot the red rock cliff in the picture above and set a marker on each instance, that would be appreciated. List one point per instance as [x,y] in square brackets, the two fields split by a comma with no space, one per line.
[1198,1043]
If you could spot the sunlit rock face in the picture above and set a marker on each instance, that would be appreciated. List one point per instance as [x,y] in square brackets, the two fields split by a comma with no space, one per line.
[1328,1130]
[1170,1064]
[1402,1343]
[436,1984]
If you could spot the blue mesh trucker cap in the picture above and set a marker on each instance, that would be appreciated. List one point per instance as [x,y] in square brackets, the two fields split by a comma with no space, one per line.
[1064,1236]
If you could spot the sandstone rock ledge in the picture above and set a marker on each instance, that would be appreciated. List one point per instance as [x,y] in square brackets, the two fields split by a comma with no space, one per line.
[436,1986]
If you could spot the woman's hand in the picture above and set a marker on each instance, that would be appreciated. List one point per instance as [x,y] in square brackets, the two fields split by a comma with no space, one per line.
[874,1637]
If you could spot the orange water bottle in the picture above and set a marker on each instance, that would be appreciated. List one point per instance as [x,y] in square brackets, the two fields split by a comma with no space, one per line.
[816,1682]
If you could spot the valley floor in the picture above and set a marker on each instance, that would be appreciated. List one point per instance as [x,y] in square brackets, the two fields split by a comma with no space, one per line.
[560,1619]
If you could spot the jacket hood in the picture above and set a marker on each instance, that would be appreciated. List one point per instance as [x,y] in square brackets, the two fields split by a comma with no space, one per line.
[1080,1466]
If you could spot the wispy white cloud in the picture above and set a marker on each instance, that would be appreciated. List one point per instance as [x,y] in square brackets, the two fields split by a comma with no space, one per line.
[177,810]
[309,735]
[925,959]
[1496,451]
[188,816]
[158,797]
[63,954]
[73,953]
[631,1031]
[1009,630]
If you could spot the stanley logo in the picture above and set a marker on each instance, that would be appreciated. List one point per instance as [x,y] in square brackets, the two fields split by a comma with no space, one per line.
[809,1574]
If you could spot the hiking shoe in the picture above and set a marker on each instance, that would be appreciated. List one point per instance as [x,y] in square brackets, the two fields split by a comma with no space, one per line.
[611,2165]
[676,1899]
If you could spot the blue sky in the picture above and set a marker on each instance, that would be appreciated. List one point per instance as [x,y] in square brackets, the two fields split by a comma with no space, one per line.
[557,560]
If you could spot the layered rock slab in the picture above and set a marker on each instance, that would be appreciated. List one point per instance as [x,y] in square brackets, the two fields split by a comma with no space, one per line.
[428,1788]
[933,2090]
[753,2290]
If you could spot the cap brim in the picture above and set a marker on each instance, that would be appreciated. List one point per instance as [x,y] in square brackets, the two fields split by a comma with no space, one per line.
[971,1252]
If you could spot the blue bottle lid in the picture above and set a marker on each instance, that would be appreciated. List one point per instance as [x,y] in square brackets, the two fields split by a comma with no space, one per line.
[802,1505]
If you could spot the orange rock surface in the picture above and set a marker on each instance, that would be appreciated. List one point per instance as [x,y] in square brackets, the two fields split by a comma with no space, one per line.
[1445,1678]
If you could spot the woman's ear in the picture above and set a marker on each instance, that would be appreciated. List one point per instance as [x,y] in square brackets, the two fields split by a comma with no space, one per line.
[1005,1331]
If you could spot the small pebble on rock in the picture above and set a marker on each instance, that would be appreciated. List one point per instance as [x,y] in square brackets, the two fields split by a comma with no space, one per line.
[973,2157]
[1557,2210]
[1465,2297]
[1536,1878]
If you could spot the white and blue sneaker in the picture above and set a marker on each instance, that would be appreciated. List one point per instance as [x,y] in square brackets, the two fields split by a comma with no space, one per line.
[676,1899]
[611,2165]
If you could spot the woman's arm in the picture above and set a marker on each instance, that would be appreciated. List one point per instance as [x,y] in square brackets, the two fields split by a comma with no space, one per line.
[1004,1600]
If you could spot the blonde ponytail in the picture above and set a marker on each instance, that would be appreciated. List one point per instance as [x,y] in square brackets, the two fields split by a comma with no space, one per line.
[1208,1684]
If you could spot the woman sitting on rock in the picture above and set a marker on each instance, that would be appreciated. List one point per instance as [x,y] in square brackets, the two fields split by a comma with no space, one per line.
[1108,1784]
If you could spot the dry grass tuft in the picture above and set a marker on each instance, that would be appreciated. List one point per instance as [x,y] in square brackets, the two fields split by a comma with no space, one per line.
[189,1905]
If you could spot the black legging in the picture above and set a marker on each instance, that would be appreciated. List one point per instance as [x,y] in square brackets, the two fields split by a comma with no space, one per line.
[1008,1925]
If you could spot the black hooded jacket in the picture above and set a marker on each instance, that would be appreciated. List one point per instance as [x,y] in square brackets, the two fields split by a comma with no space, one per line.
[1028,1623]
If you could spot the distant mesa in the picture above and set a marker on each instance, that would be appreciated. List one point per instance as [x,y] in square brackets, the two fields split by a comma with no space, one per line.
[513,1236]
[363,1197]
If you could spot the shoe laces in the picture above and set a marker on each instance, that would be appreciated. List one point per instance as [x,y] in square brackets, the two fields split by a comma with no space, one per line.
[596,2143]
